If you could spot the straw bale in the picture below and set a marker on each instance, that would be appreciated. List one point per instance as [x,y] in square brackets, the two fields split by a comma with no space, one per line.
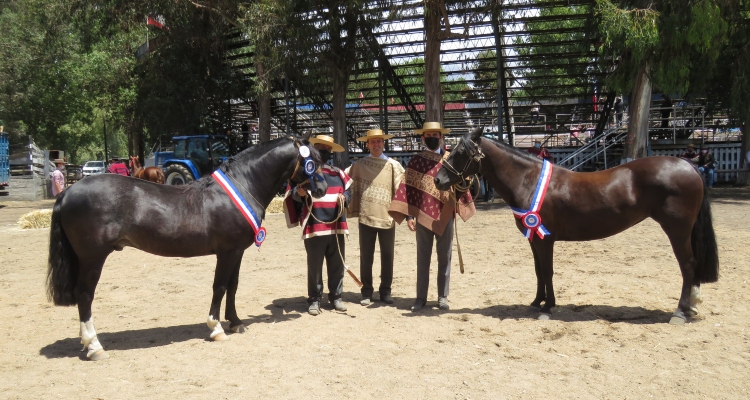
[36,219]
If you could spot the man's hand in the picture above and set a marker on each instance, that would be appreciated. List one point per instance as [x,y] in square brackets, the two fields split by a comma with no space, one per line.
[342,198]
[412,225]
[301,192]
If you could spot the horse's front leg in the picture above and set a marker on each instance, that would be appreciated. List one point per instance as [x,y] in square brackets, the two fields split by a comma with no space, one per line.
[230,313]
[540,293]
[225,263]
[544,256]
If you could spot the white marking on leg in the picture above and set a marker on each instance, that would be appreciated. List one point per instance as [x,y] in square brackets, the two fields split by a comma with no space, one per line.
[695,296]
[215,327]
[89,339]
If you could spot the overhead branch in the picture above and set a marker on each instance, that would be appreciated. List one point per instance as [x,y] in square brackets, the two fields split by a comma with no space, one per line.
[217,12]
[446,33]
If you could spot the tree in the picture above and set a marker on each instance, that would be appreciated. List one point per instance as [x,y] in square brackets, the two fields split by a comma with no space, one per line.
[658,44]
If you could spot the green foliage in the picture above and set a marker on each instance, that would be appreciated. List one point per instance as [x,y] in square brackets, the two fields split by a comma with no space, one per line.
[671,37]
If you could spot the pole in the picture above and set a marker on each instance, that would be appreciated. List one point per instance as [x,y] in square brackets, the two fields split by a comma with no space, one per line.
[286,99]
[104,119]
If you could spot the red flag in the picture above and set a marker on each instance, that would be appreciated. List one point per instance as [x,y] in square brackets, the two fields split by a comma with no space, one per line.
[393,101]
[152,21]
[361,96]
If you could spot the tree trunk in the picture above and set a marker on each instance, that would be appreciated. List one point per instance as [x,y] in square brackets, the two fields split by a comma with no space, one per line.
[640,103]
[433,98]
[264,98]
[340,83]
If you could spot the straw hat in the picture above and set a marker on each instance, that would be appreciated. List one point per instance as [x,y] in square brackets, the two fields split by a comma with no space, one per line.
[328,141]
[432,126]
[373,134]
[58,161]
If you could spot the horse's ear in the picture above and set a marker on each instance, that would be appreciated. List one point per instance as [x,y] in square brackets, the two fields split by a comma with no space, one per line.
[307,135]
[476,134]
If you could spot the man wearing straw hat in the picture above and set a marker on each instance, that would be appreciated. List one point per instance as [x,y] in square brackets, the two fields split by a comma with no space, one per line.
[376,178]
[324,227]
[417,197]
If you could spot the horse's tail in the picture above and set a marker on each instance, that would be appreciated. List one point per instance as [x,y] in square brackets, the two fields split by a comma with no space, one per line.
[703,242]
[62,270]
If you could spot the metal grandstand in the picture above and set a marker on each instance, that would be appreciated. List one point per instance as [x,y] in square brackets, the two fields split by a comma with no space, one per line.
[543,50]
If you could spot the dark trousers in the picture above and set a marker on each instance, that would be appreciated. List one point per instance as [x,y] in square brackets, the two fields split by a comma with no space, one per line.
[319,248]
[367,237]
[425,238]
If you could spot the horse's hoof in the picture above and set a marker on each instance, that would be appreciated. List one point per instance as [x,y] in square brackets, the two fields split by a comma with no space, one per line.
[220,337]
[238,329]
[693,312]
[544,317]
[677,321]
[99,355]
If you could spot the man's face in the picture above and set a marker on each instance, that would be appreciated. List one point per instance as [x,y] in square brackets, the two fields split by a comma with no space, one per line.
[376,146]
[436,134]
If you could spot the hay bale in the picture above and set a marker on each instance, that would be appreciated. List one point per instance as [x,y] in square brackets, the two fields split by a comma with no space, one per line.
[276,206]
[36,219]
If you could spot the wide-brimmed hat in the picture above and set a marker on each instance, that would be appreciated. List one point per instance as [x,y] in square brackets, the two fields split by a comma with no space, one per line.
[374,134]
[691,146]
[432,126]
[328,141]
[58,161]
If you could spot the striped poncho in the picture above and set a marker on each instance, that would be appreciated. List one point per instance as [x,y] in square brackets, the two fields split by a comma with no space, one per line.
[324,209]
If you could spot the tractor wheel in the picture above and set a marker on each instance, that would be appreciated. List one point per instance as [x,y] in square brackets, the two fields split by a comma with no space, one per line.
[178,175]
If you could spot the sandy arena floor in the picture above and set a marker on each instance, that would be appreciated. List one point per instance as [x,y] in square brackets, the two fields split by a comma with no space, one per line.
[608,339]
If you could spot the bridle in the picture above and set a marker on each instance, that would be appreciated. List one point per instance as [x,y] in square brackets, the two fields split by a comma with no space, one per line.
[313,172]
[475,155]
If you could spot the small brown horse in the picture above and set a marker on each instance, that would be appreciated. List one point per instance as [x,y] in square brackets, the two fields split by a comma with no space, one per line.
[593,205]
[151,174]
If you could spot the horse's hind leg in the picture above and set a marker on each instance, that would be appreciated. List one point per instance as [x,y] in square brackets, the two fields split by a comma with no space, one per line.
[544,256]
[689,294]
[225,263]
[88,277]
[230,313]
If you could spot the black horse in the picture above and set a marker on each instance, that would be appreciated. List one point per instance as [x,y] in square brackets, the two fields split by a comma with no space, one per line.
[579,206]
[101,214]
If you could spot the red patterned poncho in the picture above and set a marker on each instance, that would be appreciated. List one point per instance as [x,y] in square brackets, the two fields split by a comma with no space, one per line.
[418,197]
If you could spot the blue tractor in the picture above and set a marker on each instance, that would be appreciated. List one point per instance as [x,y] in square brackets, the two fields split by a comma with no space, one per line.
[193,157]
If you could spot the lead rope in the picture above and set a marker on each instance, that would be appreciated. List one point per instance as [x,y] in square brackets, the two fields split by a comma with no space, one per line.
[455,222]
[341,212]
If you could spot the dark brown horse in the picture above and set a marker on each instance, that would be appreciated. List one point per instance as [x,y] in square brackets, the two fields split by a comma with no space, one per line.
[594,205]
[108,212]
[151,174]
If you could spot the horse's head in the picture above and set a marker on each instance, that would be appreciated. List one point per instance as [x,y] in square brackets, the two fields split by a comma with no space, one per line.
[307,171]
[463,162]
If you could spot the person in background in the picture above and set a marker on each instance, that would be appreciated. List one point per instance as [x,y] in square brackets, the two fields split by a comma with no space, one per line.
[540,152]
[118,167]
[618,110]
[690,155]
[58,178]
[707,165]
[376,179]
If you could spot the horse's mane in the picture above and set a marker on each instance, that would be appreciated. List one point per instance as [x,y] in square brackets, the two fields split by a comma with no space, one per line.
[511,149]
[252,153]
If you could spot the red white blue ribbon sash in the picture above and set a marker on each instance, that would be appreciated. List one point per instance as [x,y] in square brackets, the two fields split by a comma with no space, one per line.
[530,218]
[242,205]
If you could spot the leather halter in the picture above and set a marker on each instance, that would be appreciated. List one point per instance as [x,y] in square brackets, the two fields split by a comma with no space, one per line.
[475,155]
[317,172]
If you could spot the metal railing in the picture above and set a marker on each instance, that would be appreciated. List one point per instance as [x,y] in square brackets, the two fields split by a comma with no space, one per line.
[595,148]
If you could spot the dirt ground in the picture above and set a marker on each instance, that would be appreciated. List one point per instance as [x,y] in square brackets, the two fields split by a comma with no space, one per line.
[608,338]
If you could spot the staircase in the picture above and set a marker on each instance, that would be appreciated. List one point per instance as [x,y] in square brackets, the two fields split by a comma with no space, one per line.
[602,152]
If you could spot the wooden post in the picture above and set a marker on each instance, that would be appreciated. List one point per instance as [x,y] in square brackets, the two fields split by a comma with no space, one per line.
[433,99]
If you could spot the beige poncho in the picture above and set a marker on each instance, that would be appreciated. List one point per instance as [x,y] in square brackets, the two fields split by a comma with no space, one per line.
[375,183]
